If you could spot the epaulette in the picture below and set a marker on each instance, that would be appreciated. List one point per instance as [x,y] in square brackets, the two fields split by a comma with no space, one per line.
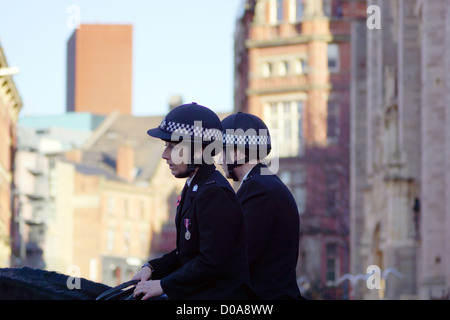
[210,182]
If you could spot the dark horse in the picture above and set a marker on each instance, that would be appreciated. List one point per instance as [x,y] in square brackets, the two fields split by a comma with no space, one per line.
[35,284]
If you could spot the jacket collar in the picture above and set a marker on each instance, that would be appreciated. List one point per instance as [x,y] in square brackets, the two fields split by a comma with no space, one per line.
[256,170]
[191,191]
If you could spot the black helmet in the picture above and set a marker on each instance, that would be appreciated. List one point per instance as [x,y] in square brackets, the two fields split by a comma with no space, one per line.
[192,123]
[247,131]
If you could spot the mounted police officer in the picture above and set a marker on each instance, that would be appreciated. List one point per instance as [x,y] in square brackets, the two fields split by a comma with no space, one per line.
[209,261]
[271,213]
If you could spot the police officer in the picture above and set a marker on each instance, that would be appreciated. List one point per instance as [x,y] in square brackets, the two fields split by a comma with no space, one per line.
[209,261]
[271,214]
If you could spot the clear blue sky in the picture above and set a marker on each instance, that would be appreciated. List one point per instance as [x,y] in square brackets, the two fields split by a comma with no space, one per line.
[179,47]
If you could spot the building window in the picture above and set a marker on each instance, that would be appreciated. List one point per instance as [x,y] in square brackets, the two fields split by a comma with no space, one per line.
[143,242]
[111,135]
[331,196]
[42,131]
[332,8]
[285,176]
[110,240]
[287,122]
[280,12]
[333,57]
[110,205]
[299,177]
[331,263]
[126,241]
[328,8]
[284,120]
[266,69]
[300,66]
[300,125]
[117,275]
[126,207]
[333,123]
[274,111]
[299,6]
[283,68]
[142,209]
[300,196]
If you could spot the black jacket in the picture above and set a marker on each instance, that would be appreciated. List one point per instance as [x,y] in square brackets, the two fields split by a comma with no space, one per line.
[210,262]
[272,222]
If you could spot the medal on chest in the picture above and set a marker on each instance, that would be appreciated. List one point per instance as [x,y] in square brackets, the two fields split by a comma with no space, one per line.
[187,234]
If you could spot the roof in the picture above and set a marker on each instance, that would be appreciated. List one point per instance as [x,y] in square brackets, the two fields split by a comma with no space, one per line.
[118,130]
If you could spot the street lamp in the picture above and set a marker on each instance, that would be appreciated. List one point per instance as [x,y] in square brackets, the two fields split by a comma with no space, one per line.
[9,71]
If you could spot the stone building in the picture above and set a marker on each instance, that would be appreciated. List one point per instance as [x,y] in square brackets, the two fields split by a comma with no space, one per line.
[41,142]
[400,142]
[92,196]
[10,106]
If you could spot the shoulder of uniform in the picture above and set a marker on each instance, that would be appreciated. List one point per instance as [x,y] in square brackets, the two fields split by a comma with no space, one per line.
[208,182]
[257,182]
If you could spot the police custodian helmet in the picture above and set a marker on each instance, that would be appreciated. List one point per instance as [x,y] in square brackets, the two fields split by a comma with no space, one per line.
[247,131]
[189,122]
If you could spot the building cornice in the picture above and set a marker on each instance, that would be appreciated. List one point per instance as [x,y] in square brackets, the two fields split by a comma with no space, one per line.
[283,90]
[300,39]
[10,97]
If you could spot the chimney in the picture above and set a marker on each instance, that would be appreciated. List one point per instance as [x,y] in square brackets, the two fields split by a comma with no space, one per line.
[125,162]
[175,100]
[75,155]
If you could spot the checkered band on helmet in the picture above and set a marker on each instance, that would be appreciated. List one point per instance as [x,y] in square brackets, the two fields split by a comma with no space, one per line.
[247,131]
[250,140]
[189,122]
[191,130]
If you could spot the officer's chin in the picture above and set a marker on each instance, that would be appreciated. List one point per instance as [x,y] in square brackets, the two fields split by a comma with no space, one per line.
[177,173]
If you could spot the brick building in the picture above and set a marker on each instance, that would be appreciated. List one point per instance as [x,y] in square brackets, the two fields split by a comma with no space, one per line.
[99,69]
[400,217]
[292,69]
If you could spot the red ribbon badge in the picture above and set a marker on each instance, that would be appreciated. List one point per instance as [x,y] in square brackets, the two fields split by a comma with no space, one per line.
[178,200]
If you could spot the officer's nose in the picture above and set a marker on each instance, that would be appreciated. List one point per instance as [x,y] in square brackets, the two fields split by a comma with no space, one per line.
[166,154]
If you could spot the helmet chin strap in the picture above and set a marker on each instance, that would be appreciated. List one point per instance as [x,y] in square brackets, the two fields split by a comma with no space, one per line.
[235,164]
[231,173]
[191,167]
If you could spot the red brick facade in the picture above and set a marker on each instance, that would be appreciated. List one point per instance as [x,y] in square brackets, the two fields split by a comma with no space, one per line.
[302,59]
[99,69]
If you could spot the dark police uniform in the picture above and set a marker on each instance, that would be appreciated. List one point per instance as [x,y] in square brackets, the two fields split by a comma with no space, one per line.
[272,222]
[210,260]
